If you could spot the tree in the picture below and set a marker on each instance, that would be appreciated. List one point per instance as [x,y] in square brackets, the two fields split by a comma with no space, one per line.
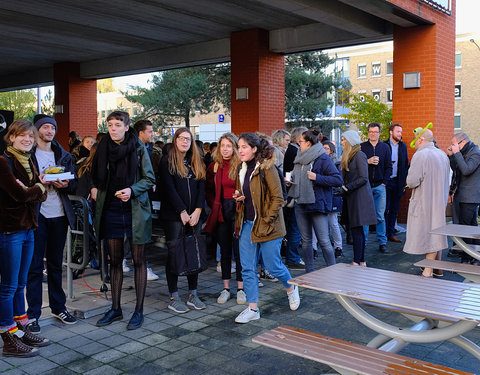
[48,104]
[22,102]
[179,94]
[308,88]
[365,109]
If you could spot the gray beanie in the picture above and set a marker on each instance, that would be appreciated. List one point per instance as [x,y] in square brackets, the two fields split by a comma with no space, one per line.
[45,120]
[352,137]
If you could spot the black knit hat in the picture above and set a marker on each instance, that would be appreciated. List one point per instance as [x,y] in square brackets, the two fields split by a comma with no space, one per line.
[45,120]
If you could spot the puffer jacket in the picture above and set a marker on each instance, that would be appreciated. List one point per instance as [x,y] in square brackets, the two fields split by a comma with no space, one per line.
[267,201]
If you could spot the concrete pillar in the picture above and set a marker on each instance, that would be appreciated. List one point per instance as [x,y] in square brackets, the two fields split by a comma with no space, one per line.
[78,96]
[263,73]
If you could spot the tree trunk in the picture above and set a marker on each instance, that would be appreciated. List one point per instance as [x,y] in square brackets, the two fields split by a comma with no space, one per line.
[187,118]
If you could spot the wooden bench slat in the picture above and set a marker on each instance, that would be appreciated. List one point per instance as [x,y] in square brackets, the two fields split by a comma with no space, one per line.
[346,355]
[449,266]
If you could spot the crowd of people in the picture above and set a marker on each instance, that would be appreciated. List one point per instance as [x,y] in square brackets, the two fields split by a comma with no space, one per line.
[260,197]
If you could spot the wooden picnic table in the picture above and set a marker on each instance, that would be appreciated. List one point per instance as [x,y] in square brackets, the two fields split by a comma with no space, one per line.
[458,232]
[447,309]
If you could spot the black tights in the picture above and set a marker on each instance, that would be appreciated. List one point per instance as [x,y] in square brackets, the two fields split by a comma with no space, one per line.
[115,249]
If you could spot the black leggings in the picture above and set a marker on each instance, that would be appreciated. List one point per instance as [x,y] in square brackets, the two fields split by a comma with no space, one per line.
[115,249]
[227,241]
[173,230]
[358,238]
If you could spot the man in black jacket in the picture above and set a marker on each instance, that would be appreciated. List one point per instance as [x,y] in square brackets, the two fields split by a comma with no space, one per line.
[398,178]
[379,171]
[54,216]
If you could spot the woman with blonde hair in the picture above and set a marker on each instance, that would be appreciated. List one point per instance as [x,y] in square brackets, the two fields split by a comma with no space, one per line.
[221,176]
[183,177]
[358,207]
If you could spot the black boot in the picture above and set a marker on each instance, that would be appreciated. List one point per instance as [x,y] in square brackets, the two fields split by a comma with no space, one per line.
[32,339]
[110,317]
[14,347]
[136,320]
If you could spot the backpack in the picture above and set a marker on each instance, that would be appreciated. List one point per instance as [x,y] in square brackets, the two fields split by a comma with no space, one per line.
[282,181]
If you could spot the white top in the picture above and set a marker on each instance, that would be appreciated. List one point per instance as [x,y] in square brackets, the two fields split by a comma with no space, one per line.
[53,206]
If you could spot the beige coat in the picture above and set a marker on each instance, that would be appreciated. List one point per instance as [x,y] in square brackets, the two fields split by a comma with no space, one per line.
[428,177]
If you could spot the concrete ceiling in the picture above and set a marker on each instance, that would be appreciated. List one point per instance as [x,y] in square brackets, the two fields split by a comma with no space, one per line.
[118,37]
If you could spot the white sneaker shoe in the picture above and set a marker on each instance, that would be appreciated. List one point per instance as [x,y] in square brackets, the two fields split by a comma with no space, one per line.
[241,297]
[247,315]
[219,268]
[223,297]
[124,266]
[294,298]
[150,275]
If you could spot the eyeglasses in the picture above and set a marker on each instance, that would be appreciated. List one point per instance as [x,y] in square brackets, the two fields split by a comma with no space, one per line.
[184,139]
[373,132]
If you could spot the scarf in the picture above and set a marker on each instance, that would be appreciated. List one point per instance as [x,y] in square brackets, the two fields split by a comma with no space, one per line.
[355,149]
[115,165]
[302,186]
[23,158]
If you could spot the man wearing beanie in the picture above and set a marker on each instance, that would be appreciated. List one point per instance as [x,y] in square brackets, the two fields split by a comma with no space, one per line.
[54,215]
[428,178]
[379,159]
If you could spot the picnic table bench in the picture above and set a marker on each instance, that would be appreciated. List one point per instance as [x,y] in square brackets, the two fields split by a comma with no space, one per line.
[346,357]
[469,271]
[458,232]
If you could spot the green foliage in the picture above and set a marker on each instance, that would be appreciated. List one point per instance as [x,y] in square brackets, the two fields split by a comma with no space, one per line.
[48,105]
[22,102]
[179,94]
[364,109]
[308,87]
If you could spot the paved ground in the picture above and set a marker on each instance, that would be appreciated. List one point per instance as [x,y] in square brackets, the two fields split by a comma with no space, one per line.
[208,341]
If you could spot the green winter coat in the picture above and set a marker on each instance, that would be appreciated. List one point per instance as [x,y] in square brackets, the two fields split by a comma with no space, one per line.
[141,210]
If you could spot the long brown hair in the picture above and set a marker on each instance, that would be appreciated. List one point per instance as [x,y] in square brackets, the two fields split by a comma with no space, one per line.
[87,166]
[234,161]
[175,158]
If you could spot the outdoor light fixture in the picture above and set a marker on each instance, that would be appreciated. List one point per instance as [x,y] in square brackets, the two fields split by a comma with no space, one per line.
[59,108]
[411,80]
[241,93]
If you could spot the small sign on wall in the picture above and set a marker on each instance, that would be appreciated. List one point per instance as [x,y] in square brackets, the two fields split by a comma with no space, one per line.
[221,118]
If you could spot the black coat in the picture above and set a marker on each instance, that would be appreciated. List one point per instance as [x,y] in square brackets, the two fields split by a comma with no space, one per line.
[289,158]
[402,169]
[358,206]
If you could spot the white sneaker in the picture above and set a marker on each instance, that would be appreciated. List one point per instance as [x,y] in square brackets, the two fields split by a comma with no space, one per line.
[125,267]
[247,315]
[219,268]
[241,297]
[294,298]
[150,275]
[223,297]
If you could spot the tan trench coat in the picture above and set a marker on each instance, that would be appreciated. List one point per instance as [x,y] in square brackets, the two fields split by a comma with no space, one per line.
[428,177]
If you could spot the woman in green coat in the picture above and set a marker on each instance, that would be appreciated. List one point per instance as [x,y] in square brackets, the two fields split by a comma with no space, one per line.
[122,174]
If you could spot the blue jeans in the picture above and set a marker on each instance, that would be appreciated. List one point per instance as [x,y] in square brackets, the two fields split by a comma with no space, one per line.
[249,259]
[16,251]
[293,237]
[319,222]
[380,201]
[50,239]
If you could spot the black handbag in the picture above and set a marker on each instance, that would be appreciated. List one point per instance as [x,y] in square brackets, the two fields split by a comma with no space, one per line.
[187,255]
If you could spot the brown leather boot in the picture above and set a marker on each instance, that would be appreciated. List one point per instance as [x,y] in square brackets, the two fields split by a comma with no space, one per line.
[31,339]
[14,347]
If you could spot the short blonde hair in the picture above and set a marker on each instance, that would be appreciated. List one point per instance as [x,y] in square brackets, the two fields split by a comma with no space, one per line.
[20,127]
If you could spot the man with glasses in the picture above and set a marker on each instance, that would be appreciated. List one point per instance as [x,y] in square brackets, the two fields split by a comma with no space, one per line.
[379,170]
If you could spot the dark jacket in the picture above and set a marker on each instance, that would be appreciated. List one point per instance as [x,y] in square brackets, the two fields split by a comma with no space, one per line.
[290,155]
[179,193]
[380,173]
[402,168]
[327,176]
[358,205]
[267,197]
[141,211]
[466,164]
[62,158]
[17,204]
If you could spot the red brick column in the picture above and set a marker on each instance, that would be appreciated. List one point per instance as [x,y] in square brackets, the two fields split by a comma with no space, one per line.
[429,50]
[263,73]
[79,99]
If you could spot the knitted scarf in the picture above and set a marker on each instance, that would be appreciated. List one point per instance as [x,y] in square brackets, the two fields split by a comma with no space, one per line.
[302,186]
[23,158]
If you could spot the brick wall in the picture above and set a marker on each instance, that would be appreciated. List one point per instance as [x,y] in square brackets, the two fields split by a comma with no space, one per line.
[79,99]
[263,72]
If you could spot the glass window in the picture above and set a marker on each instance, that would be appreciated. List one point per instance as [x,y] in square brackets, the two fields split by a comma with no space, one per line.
[389,98]
[135,110]
[362,70]
[389,68]
[376,69]
[361,95]
[376,95]
[103,114]
[458,59]
[457,124]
